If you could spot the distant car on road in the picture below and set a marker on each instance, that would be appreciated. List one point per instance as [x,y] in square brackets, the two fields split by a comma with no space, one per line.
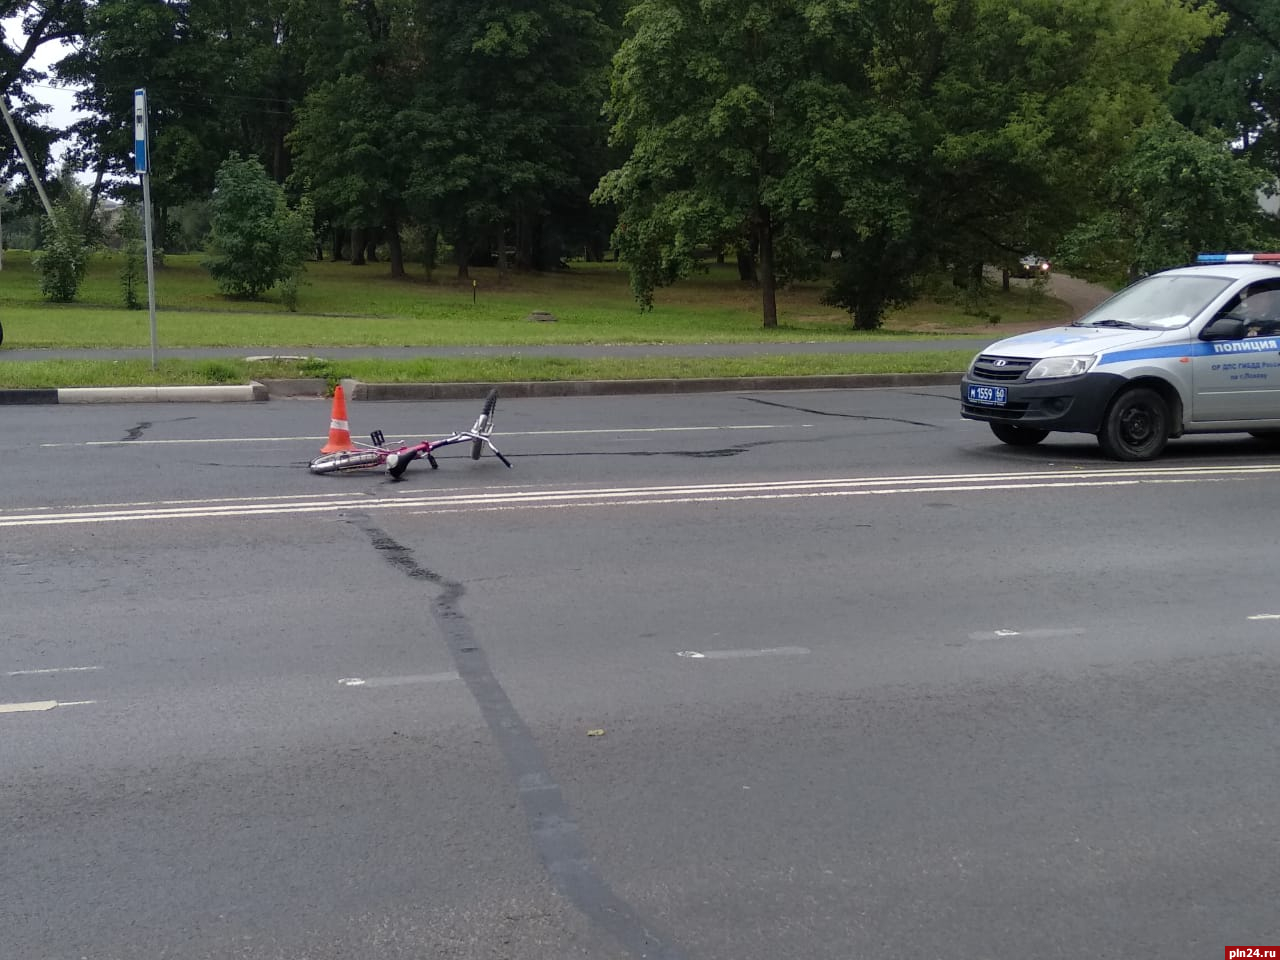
[1032,266]
[1195,349]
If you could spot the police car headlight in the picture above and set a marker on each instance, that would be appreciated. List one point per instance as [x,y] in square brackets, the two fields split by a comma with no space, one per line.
[1051,367]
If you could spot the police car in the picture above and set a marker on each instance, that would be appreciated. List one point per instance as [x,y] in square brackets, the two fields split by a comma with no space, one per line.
[1195,349]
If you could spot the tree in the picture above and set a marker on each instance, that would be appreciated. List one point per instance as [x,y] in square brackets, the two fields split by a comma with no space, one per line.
[256,241]
[25,27]
[1175,195]
[219,77]
[1231,86]
[996,121]
[508,121]
[353,141]
[63,256]
[894,132]
[722,105]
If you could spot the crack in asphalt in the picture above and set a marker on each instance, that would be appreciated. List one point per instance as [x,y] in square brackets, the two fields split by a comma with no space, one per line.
[846,416]
[552,828]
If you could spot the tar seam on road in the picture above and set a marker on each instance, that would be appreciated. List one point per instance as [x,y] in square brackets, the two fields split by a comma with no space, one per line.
[136,432]
[554,832]
[828,413]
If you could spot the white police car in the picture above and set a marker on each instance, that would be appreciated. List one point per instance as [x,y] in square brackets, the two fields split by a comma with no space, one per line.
[1190,350]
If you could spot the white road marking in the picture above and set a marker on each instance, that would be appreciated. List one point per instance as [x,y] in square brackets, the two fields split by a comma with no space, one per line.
[1039,633]
[32,673]
[449,500]
[743,654]
[398,681]
[505,433]
[36,706]
[1265,616]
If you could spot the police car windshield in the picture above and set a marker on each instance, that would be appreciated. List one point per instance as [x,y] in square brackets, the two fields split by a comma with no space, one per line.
[1162,302]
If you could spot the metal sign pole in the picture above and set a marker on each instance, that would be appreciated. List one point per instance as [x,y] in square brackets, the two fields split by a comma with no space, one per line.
[142,164]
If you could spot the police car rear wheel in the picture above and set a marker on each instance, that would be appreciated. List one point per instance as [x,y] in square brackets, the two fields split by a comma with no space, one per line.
[1136,427]
[1017,436]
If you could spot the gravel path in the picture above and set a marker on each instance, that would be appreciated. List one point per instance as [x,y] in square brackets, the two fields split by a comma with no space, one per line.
[1081,294]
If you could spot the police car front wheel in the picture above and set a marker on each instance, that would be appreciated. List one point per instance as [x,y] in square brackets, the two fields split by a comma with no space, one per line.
[1017,436]
[1136,426]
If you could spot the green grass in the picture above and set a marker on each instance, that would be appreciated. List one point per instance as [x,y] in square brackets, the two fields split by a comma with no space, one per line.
[342,305]
[90,373]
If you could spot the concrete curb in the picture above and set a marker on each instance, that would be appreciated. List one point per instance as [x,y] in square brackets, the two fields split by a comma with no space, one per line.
[360,391]
[223,394]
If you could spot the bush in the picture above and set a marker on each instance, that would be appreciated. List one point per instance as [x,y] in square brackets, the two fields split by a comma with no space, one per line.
[255,241]
[62,260]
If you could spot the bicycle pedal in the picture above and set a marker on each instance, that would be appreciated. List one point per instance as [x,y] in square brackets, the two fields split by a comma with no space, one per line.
[377,438]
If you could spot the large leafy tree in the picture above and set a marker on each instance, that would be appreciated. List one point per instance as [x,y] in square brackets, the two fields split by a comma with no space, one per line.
[26,26]
[896,132]
[997,119]
[722,105]
[1231,86]
[1175,194]
[353,142]
[509,119]
[219,78]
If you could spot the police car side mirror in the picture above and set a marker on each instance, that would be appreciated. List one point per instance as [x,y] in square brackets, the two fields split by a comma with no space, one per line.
[1225,328]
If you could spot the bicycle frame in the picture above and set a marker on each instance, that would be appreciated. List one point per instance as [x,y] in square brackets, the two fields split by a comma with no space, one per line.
[398,460]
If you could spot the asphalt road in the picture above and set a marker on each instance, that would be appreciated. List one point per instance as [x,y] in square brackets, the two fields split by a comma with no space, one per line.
[725,677]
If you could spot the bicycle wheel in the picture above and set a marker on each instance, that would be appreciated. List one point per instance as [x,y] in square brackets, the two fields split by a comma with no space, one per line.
[346,460]
[484,424]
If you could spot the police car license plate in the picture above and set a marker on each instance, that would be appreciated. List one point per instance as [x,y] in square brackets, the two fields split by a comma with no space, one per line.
[992,396]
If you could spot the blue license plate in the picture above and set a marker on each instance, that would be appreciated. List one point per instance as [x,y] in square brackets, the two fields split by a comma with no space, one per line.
[992,396]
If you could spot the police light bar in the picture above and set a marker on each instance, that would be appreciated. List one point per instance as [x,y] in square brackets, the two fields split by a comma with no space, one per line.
[1238,258]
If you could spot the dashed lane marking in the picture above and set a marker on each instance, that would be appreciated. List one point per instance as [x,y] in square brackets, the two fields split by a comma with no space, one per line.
[743,654]
[38,706]
[398,681]
[505,433]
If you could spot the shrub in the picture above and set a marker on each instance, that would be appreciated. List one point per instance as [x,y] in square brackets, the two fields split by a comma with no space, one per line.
[62,260]
[255,241]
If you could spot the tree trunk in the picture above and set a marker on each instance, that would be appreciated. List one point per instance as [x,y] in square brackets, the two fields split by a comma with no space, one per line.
[500,237]
[161,234]
[746,267]
[429,250]
[93,196]
[374,236]
[524,242]
[339,243]
[394,249]
[462,253]
[358,241]
[768,283]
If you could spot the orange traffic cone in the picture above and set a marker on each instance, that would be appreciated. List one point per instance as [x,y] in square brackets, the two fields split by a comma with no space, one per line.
[339,429]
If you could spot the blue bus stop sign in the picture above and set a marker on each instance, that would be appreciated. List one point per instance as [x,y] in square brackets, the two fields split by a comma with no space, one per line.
[140,130]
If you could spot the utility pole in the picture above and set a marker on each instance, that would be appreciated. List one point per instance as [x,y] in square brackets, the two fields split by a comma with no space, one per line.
[142,164]
[26,158]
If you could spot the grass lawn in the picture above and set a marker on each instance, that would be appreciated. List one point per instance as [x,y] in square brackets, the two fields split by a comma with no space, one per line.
[341,305]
